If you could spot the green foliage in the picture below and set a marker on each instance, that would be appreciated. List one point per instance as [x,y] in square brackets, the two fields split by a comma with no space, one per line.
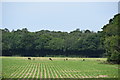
[45,42]
[55,44]
[111,39]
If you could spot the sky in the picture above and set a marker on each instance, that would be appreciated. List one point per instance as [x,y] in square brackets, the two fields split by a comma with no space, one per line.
[57,16]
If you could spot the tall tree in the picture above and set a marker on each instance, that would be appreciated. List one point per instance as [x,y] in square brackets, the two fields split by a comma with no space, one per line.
[111,36]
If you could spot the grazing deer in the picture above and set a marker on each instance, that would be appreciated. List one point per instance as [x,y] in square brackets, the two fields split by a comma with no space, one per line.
[66,59]
[50,59]
[29,58]
[83,59]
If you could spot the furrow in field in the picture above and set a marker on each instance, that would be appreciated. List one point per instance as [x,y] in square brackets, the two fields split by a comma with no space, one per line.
[58,71]
[43,74]
[75,75]
[28,73]
[70,75]
[32,71]
[50,75]
[78,75]
[86,76]
[64,74]
[66,71]
[10,68]
[21,75]
[82,76]
[14,73]
[21,70]
[38,73]
[44,71]
[41,71]
[48,72]
[24,71]
[18,69]
[55,71]
[51,71]
[94,75]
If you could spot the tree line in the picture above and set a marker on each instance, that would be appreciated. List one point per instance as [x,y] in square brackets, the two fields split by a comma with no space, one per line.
[111,39]
[48,43]
[80,43]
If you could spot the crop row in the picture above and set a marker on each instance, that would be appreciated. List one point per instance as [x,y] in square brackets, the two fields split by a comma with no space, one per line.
[58,69]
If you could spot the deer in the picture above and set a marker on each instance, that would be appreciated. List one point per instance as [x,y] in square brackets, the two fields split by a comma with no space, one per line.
[50,59]
[29,58]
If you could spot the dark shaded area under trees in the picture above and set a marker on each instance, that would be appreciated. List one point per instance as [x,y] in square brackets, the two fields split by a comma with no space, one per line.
[77,43]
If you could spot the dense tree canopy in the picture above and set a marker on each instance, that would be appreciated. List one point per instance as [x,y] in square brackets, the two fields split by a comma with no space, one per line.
[45,43]
[111,39]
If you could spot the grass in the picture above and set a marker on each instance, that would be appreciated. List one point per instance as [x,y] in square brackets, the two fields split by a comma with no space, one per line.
[42,67]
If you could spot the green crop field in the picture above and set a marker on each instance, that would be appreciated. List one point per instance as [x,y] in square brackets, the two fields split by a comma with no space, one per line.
[22,68]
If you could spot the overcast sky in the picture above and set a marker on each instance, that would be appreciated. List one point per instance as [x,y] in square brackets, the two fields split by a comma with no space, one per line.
[58,16]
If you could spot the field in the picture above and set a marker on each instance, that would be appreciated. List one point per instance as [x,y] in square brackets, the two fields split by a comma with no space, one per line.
[43,68]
